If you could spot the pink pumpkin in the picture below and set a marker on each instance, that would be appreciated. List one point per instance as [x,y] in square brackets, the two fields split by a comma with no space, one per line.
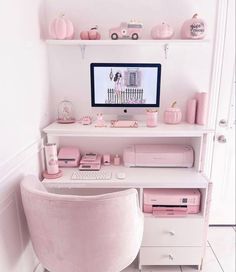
[92,34]
[162,31]
[194,28]
[172,115]
[84,35]
[61,28]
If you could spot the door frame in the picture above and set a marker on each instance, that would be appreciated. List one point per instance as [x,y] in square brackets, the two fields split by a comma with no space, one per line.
[223,49]
[223,78]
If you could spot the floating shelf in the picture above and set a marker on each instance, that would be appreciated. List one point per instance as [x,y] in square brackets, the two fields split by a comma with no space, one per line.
[124,42]
[164,43]
[162,130]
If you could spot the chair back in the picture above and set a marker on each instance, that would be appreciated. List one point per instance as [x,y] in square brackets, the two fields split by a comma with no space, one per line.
[101,233]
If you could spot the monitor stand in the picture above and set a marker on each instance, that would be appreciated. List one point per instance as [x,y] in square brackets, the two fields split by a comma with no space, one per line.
[125,116]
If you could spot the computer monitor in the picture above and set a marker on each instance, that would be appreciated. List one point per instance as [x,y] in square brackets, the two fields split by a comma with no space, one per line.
[125,85]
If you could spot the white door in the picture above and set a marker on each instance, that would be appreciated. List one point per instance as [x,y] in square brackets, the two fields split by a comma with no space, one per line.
[223,164]
[223,169]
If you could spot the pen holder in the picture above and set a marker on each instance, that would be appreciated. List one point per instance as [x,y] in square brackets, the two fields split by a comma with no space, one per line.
[152,116]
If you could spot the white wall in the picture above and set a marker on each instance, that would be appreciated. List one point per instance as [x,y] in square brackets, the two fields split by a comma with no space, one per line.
[24,99]
[186,71]
[24,106]
[16,253]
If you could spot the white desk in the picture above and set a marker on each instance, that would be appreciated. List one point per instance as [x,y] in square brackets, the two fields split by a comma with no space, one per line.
[166,241]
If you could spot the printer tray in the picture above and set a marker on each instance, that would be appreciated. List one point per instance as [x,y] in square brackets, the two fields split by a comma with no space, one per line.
[169,210]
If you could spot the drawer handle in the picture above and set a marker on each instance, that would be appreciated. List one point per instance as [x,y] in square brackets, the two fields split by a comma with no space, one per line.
[171,257]
[172,233]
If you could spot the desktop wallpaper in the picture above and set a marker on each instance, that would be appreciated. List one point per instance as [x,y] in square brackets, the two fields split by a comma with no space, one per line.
[125,85]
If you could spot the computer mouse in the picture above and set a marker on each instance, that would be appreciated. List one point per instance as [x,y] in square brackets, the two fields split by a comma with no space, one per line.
[120,175]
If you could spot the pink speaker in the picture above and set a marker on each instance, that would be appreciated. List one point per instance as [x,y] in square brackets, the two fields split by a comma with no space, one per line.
[202,108]
[191,111]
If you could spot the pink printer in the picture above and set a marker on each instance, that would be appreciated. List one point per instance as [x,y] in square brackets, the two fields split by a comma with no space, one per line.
[158,155]
[68,157]
[171,202]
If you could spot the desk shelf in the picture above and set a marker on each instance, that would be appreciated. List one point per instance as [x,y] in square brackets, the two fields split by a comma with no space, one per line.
[135,178]
[162,130]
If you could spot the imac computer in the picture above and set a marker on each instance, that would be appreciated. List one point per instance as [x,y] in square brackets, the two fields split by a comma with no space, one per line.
[125,88]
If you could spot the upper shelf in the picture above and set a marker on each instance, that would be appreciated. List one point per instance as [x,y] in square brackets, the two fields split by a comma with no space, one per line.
[162,130]
[124,42]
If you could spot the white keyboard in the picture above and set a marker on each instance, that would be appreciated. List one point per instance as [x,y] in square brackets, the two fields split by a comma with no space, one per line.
[91,175]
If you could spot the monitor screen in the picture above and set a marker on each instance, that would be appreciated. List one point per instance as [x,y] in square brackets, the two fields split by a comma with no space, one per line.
[125,84]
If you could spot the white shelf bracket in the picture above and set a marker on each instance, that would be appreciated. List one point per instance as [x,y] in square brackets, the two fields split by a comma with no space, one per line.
[82,48]
[166,49]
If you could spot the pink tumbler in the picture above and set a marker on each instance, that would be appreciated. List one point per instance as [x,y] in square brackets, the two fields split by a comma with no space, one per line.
[191,111]
[152,118]
[202,107]
[51,159]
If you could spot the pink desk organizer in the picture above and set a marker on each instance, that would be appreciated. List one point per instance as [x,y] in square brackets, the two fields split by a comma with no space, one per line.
[152,116]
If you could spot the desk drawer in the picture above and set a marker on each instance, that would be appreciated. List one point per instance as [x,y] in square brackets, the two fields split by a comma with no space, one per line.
[173,231]
[170,255]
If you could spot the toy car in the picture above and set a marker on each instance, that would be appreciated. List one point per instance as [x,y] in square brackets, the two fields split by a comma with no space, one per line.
[131,30]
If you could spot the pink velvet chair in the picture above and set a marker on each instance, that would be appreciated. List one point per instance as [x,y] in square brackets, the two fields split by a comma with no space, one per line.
[101,233]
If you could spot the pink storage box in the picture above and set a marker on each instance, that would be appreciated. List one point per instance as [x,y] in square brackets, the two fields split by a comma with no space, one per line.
[171,202]
[68,157]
